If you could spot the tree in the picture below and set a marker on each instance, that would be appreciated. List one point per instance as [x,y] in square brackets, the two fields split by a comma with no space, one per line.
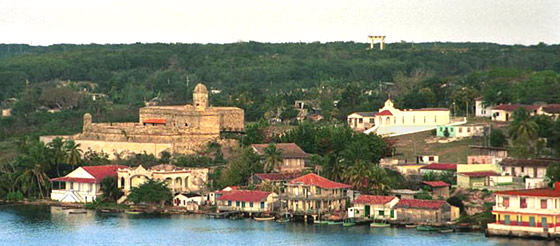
[109,187]
[497,138]
[523,132]
[73,153]
[57,146]
[150,192]
[241,166]
[272,157]
[33,179]
[553,172]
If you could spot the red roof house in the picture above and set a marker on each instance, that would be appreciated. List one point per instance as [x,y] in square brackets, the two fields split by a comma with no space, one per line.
[436,183]
[316,180]
[384,113]
[93,174]
[440,167]
[373,199]
[82,184]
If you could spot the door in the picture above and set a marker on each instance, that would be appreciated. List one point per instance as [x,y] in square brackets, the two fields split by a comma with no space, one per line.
[392,214]
[366,211]
[531,221]
[506,219]
[544,224]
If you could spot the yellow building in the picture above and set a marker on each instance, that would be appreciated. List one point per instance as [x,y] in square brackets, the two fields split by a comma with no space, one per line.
[531,212]
[477,175]
[361,121]
[314,195]
[178,179]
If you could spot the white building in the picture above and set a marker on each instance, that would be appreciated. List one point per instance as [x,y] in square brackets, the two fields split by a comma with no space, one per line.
[481,110]
[83,184]
[178,179]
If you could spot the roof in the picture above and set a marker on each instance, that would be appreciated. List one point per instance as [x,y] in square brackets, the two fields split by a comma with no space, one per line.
[436,183]
[513,107]
[371,199]
[547,192]
[385,113]
[487,148]
[316,180]
[541,162]
[155,121]
[479,174]
[277,176]
[98,173]
[245,196]
[551,108]
[416,203]
[429,109]
[440,166]
[289,150]
[366,114]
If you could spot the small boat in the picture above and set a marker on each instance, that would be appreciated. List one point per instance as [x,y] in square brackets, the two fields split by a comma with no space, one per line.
[349,222]
[317,222]
[283,220]
[264,218]
[133,212]
[106,211]
[446,230]
[379,225]
[410,226]
[77,212]
[330,222]
[426,228]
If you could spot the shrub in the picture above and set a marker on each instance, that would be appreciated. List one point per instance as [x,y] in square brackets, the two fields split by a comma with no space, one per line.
[14,196]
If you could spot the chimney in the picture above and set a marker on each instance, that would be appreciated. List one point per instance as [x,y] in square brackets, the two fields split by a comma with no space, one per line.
[557,186]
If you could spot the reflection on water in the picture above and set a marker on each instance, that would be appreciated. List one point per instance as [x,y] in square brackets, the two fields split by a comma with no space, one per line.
[42,225]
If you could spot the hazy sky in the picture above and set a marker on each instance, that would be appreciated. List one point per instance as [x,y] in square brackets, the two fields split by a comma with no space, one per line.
[44,22]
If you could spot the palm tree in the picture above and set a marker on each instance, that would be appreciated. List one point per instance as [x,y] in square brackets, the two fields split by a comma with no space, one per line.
[33,178]
[57,147]
[73,153]
[357,176]
[379,180]
[523,132]
[272,157]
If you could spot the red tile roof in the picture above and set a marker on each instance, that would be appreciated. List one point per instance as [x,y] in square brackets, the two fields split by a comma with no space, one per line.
[436,183]
[289,150]
[155,121]
[547,192]
[385,113]
[277,176]
[245,196]
[440,166]
[430,109]
[513,107]
[479,174]
[415,203]
[316,180]
[551,108]
[98,173]
[371,199]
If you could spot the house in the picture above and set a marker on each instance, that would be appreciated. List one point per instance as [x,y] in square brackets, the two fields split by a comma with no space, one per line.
[423,211]
[409,169]
[191,200]
[250,201]
[275,179]
[6,112]
[504,112]
[476,175]
[314,195]
[552,110]
[498,152]
[438,168]
[529,212]
[483,159]
[438,189]
[212,197]
[426,159]
[405,193]
[391,121]
[83,184]
[374,207]
[460,131]
[293,157]
[361,121]
[481,109]
[533,170]
[178,179]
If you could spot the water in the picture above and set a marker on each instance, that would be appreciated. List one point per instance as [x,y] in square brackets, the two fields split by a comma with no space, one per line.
[43,225]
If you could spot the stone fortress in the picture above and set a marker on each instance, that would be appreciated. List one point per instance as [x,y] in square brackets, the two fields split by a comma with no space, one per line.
[183,129]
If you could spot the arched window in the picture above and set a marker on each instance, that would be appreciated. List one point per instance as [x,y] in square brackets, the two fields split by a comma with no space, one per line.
[387,121]
[186,182]
[402,120]
[178,182]
[122,182]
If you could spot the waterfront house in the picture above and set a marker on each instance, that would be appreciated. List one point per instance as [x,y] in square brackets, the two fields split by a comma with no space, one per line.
[250,201]
[438,168]
[212,197]
[438,189]
[314,195]
[529,212]
[293,157]
[374,207]
[178,179]
[83,184]
[190,201]
[361,121]
[423,211]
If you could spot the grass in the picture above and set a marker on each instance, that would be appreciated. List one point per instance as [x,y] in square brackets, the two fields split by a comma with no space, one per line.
[414,144]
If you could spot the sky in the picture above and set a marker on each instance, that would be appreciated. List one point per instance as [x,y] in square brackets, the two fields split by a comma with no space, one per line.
[41,22]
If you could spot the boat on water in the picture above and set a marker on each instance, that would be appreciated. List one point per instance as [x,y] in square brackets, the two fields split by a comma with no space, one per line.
[283,220]
[410,226]
[379,225]
[426,228]
[133,212]
[264,218]
[77,212]
[446,230]
[331,222]
[349,222]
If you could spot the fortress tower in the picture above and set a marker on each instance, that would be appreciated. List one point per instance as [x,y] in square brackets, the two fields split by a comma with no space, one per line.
[200,97]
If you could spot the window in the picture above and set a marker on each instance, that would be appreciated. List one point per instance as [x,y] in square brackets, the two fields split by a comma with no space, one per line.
[229,203]
[506,202]
[402,120]
[262,205]
[242,204]
[451,129]
[435,119]
[237,203]
[251,204]
[543,203]
[523,202]
[460,129]
[361,120]
[424,119]
[381,213]
[468,129]
[413,119]
[431,158]
[318,191]
[372,120]
[522,169]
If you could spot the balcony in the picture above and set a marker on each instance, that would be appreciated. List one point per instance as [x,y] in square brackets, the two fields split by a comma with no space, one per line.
[531,210]
[313,197]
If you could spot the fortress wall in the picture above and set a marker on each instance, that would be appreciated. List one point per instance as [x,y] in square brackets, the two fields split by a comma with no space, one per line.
[124,147]
[231,119]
